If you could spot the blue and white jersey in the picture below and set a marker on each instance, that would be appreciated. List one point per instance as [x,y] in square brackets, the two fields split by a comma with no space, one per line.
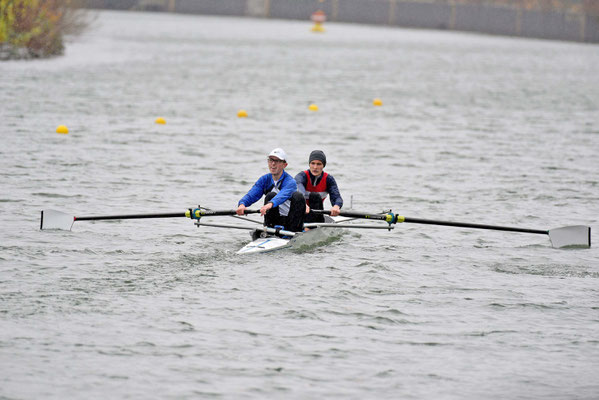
[284,189]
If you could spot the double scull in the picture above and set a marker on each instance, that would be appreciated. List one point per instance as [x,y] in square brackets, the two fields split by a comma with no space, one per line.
[266,239]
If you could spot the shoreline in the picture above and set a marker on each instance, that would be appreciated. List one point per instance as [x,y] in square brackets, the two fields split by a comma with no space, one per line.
[9,52]
[576,23]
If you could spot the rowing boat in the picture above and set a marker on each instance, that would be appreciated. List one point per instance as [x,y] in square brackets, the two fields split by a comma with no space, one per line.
[266,239]
[263,242]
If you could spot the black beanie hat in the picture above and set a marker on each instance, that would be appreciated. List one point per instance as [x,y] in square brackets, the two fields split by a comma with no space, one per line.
[318,155]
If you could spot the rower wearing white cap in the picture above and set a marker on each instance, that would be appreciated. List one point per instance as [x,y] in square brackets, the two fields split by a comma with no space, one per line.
[283,204]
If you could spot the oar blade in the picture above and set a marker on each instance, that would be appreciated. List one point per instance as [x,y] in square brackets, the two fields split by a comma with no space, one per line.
[571,236]
[52,219]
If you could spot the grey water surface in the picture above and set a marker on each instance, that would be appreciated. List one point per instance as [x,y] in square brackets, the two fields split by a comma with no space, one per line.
[473,128]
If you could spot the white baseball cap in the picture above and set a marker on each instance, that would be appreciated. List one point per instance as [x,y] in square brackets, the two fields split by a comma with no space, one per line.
[279,153]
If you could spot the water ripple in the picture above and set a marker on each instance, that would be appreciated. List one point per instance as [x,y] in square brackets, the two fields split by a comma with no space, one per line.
[473,128]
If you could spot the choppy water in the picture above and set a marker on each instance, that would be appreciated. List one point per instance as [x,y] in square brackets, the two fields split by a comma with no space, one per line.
[473,128]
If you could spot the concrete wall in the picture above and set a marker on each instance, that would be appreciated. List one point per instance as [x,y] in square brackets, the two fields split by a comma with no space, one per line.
[497,21]
[211,7]
[363,11]
[551,25]
[297,9]
[423,15]
[111,4]
[591,28]
[450,14]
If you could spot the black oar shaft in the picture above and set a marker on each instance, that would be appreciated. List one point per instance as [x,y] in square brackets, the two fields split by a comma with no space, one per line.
[204,213]
[354,214]
[130,216]
[475,226]
[208,213]
[398,218]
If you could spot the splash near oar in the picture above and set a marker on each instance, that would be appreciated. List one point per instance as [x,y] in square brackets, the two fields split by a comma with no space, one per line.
[567,236]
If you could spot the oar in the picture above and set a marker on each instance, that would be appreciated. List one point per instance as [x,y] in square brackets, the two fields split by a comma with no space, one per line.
[353,226]
[52,219]
[575,236]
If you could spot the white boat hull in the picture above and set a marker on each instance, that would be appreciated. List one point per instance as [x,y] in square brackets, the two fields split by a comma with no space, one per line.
[270,243]
[264,245]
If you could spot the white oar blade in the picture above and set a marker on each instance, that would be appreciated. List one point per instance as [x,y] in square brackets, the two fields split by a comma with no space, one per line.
[571,236]
[52,219]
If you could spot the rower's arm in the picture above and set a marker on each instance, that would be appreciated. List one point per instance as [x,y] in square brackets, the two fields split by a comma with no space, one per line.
[301,180]
[333,189]
[254,194]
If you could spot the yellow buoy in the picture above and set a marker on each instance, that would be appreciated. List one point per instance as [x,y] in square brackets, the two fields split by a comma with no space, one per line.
[318,17]
[160,121]
[62,129]
[317,28]
[242,114]
[377,102]
[313,107]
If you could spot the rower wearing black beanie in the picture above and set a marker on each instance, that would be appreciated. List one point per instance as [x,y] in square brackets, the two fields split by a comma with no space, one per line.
[316,185]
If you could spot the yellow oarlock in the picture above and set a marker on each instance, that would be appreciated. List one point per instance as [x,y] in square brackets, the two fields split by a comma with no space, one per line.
[197,213]
[392,218]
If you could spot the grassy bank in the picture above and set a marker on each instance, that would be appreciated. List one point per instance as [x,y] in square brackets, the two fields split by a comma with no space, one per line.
[36,28]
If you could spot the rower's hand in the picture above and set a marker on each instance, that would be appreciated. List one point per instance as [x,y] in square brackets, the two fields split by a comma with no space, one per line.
[265,208]
[240,210]
[307,209]
[335,211]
